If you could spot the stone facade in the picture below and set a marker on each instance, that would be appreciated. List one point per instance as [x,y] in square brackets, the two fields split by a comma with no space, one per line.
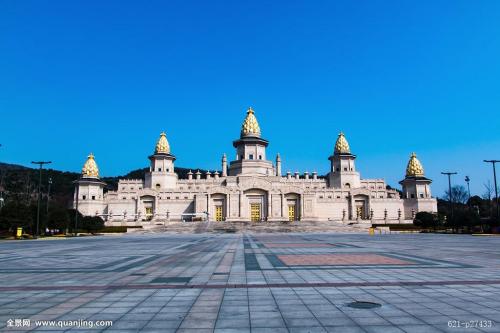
[252,188]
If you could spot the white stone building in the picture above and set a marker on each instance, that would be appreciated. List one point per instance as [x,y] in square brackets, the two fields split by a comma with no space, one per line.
[252,188]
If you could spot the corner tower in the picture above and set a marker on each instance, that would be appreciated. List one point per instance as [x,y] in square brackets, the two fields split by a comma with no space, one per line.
[415,185]
[161,173]
[89,189]
[250,150]
[416,189]
[343,171]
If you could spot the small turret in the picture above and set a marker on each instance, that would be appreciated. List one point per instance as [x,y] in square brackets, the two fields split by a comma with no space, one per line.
[224,165]
[278,165]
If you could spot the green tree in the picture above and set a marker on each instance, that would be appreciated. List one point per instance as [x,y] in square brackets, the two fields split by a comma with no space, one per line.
[467,218]
[458,194]
[58,218]
[71,213]
[91,223]
[14,215]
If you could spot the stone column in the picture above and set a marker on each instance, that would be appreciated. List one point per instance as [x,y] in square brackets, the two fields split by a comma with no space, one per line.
[352,211]
[224,165]
[208,207]
[283,205]
[269,206]
[227,201]
[278,165]
[240,213]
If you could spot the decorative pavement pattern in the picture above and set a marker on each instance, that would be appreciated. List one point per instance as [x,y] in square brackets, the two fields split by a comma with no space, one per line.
[252,283]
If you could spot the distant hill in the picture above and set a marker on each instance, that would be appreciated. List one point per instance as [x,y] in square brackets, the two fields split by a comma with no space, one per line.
[18,182]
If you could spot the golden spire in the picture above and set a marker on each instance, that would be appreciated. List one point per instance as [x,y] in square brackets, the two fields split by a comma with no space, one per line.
[162,146]
[90,169]
[414,167]
[341,146]
[250,125]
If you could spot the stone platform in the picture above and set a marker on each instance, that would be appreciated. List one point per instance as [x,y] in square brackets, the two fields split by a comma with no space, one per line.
[252,283]
[254,227]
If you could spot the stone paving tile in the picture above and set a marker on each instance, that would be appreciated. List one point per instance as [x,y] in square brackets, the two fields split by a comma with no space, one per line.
[421,281]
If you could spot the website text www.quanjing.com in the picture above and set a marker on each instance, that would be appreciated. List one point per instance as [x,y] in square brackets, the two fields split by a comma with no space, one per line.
[12,323]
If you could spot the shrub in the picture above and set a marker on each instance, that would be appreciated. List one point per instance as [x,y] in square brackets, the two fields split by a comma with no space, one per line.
[425,220]
[91,223]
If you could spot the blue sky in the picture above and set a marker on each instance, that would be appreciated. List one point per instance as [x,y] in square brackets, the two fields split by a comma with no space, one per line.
[395,76]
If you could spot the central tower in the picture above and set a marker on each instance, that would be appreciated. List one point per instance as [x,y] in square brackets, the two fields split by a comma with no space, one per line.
[250,150]
[161,173]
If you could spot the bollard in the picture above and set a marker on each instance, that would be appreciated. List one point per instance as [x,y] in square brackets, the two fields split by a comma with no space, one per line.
[371,231]
[19,232]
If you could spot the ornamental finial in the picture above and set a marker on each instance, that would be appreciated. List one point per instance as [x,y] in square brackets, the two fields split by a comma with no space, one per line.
[90,169]
[250,125]
[342,146]
[414,167]
[162,146]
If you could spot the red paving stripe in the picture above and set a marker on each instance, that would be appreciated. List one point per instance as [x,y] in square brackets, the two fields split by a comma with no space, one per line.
[298,245]
[340,259]
[237,286]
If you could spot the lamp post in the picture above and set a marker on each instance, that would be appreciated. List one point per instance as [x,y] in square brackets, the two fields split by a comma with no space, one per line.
[76,206]
[467,180]
[449,174]
[48,194]
[2,201]
[41,164]
[495,181]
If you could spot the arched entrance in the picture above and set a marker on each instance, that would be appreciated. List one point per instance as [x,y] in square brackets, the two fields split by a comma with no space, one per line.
[256,203]
[147,207]
[219,206]
[292,206]
[361,208]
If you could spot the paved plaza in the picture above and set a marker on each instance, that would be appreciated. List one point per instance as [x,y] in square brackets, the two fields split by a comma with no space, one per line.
[252,283]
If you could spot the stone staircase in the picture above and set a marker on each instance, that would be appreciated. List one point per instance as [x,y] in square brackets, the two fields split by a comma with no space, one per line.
[252,227]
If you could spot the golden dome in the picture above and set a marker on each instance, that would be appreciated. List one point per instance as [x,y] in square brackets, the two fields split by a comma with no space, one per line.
[250,125]
[341,146]
[414,168]
[162,146]
[90,168]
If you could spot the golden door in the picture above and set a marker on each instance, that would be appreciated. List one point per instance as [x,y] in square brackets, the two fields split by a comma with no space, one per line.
[218,213]
[291,213]
[149,213]
[255,212]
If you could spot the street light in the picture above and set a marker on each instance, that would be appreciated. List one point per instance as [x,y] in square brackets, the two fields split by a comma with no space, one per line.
[449,174]
[467,180]
[2,201]
[76,207]
[41,164]
[495,181]
[48,195]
